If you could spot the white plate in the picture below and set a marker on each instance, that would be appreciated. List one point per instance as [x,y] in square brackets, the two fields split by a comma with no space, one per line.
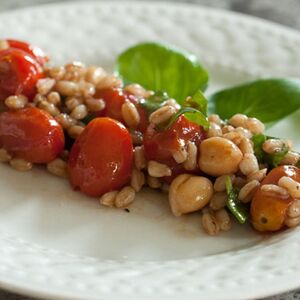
[57,243]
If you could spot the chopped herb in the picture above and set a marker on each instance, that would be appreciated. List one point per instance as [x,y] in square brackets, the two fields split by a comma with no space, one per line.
[238,209]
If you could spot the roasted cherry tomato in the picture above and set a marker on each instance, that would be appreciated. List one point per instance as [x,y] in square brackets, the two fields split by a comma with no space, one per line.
[31,134]
[114,99]
[19,73]
[35,52]
[101,158]
[160,145]
[268,212]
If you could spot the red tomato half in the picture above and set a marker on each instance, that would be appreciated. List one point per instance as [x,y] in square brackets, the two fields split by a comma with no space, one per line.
[101,158]
[114,98]
[35,52]
[31,134]
[160,145]
[19,73]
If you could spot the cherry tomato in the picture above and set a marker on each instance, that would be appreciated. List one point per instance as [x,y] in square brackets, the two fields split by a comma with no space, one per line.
[19,73]
[114,99]
[101,158]
[160,145]
[31,134]
[33,51]
[268,212]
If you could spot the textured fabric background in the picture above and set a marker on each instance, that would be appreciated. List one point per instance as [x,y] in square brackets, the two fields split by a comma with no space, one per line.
[285,12]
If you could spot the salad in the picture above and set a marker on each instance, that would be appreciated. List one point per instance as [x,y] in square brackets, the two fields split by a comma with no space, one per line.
[150,125]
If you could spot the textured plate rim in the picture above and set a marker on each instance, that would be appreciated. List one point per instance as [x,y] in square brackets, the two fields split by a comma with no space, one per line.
[40,292]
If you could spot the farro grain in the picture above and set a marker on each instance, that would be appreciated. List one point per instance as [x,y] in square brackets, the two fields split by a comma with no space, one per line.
[272,145]
[247,191]
[291,185]
[57,73]
[67,88]
[209,223]
[4,155]
[162,115]
[294,209]
[292,222]
[137,180]
[108,81]
[94,74]
[45,85]
[139,158]
[87,89]
[125,197]
[153,182]
[191,161]
[234,136]
[223,219]
[49,107]
[218,200]
[58,167]
[39,98]
[290,159]
[227,129]
[79,112]
[156,169]
[180,156]
[255,126]
[238,120]
[220,183]
[249,164]
[20,164]
[95,104]
[258,175]
[72,102]
[275,190]
[75,131]
[65,120]
[16,102]
[246,146]
[137,90]
[215,119]
[214,130]
[109,198]
[130,114]
[54,98]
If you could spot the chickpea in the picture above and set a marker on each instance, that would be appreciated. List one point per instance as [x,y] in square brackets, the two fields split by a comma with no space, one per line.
[219,156]
[189,193]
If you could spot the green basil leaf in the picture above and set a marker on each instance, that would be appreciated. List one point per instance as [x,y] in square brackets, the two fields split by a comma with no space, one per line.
[238,209]
[258,141]
[198,101]
[274,159]
[298,164]
[162,68]
[192,115]
[269,100]
[155,101]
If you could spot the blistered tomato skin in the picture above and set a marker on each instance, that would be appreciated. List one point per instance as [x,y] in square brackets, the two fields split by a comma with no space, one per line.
[19,73]
[268,212]
[31,134]
[33,51]
[114,98]
[101,158]
[160,145]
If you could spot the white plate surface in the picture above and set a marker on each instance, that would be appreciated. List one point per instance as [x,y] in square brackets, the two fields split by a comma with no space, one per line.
[57,243]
